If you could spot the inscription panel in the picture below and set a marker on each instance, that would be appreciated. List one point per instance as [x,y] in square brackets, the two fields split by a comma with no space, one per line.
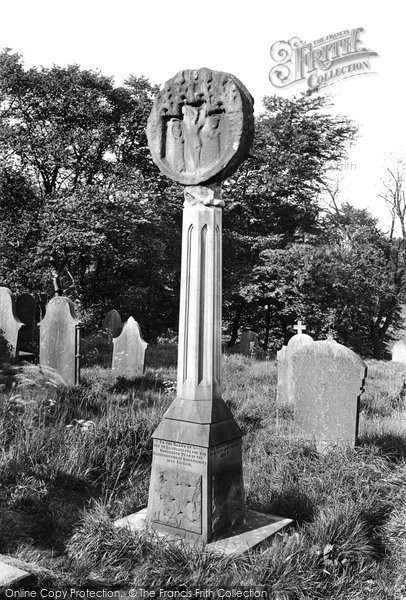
[184,455]
[226,453]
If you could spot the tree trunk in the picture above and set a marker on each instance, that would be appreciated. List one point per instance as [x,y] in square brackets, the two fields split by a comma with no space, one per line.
[267,326]
[235,325]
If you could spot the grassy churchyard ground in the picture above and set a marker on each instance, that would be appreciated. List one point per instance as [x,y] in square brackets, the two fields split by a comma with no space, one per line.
[74,460]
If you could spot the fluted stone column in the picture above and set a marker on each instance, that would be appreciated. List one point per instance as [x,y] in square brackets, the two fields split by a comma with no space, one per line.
[199,359]
[196,488]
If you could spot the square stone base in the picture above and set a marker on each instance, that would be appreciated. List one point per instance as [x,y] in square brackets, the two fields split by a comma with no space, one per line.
[257,528]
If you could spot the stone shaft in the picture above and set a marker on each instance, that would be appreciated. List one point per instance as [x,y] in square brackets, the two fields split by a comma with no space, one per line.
[199,358]
[196,488]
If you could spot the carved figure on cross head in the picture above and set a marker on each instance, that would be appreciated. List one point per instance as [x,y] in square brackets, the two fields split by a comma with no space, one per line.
[194,118]
[201,126]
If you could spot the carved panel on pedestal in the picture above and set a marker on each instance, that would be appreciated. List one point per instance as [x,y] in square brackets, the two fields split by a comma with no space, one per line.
[178,500]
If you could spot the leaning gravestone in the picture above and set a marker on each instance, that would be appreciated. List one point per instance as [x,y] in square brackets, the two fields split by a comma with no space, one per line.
[399,351]
[26,307]
[248,343]
[285,385]
[112,324]
[199,131]
[60,339]
[10,325]
[328,382]
[129,351]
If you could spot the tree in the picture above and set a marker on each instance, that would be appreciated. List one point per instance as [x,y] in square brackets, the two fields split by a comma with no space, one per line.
[273,198]
[336,281]
[80,194]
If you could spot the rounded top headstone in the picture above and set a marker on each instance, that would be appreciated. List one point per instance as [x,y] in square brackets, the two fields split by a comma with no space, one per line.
[299,340]
[339,351]
[26,307]
[201,126]
[399,351]
[112,323]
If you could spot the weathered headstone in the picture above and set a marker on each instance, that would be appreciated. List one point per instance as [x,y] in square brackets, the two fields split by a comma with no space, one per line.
[399,351]
[328,381]
[26,307]
[285,385]
[60,339]
[281,366]
[10,325]
[112,324]
[248,343]
[129,351]
[200,129]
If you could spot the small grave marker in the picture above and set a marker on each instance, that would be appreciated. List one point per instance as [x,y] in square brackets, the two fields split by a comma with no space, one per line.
[26,307]
[399,351]
[129,351]
[60,339]
[248,343]
[112,324]
[285,385]
[10,325]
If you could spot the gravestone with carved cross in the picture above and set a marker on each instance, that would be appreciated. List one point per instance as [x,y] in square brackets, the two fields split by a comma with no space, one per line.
[285,385]
[328,381]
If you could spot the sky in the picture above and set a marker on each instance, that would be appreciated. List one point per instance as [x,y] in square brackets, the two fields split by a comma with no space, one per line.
[157,38]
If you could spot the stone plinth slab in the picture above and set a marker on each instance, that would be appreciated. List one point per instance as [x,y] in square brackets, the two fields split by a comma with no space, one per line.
[10,575]
[257,528]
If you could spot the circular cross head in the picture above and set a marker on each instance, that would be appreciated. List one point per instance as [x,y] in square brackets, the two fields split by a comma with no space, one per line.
[201,126]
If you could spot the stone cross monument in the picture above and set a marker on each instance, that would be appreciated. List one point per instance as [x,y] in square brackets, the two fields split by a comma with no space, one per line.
[200,129]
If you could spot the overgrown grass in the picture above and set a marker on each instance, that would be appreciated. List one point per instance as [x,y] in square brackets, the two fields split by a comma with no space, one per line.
[74,459]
